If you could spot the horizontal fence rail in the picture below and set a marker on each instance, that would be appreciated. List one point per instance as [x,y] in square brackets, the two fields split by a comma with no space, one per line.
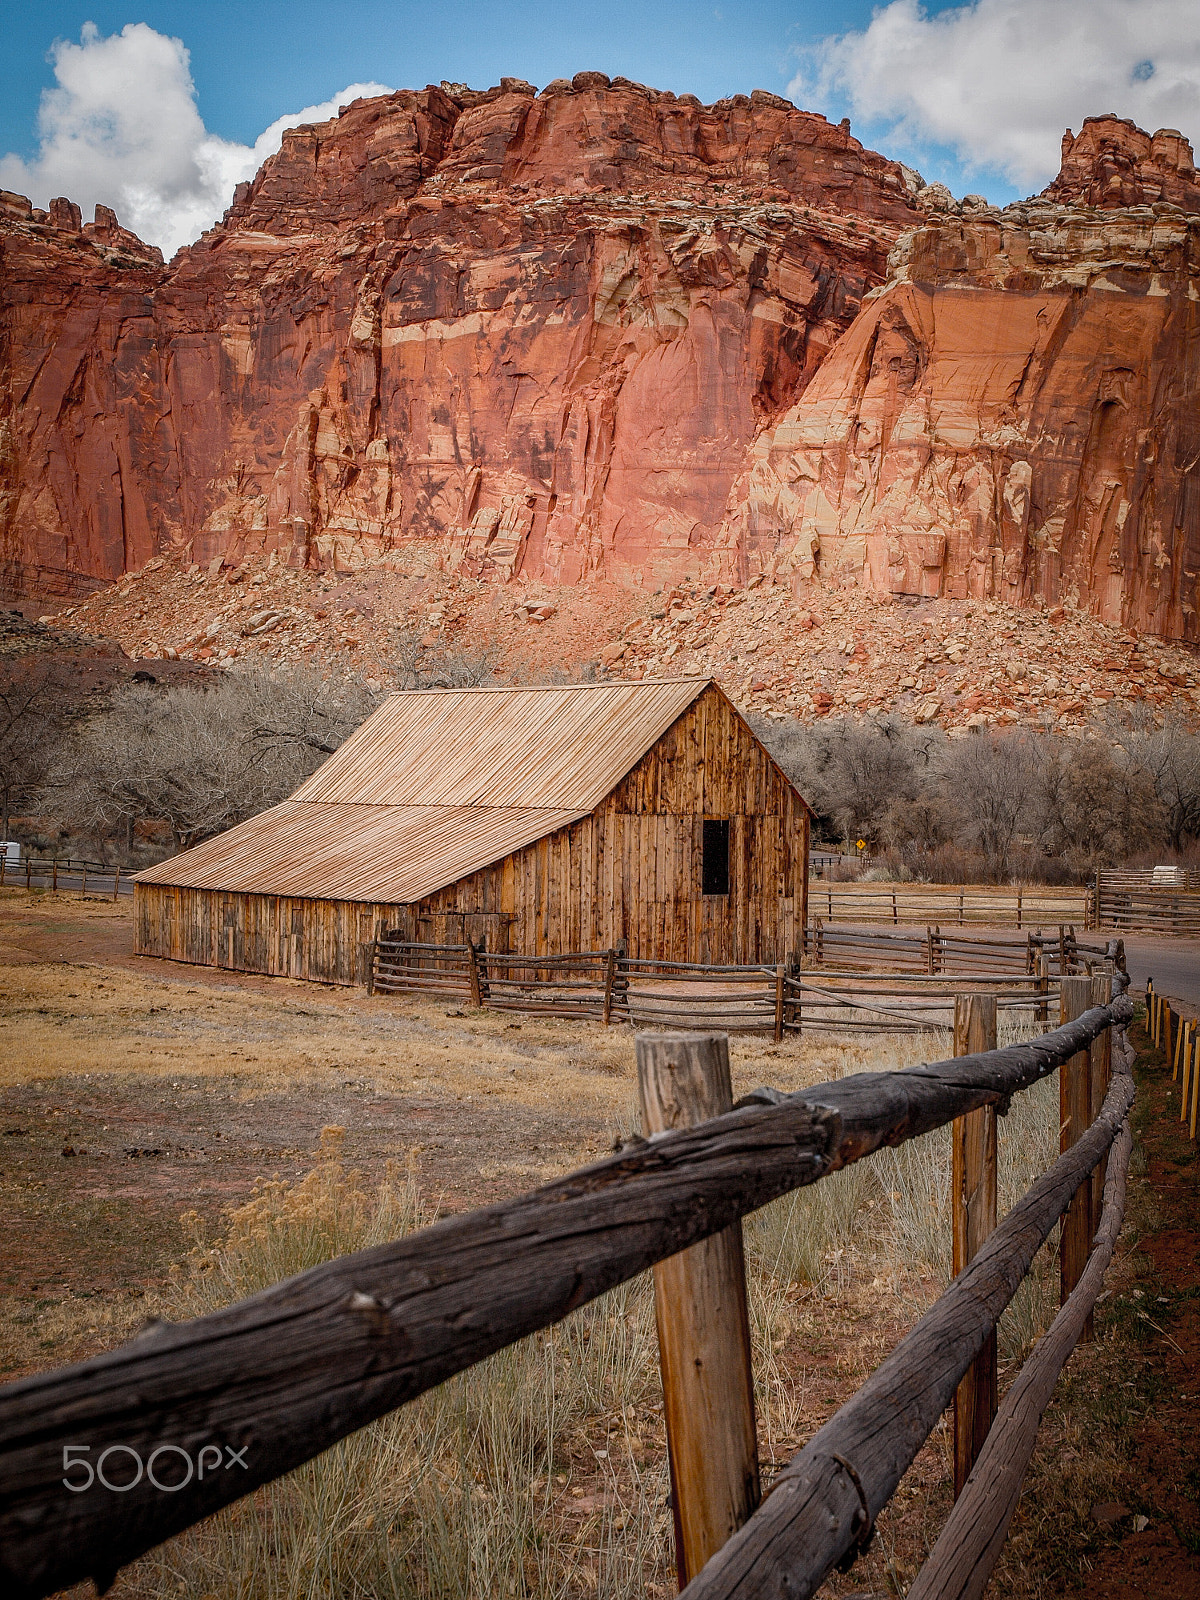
[281,1376]
[606,986]
[944,903]
[64,872]
[823,1505]
[967,1548]
[935,952]
[1157,904]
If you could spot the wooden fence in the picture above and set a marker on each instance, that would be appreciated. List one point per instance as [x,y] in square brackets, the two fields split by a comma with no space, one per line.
[63,872]
[936,952]
[1142,900]
[1179,1039]
[946,904]
[274,1380]
[907,990]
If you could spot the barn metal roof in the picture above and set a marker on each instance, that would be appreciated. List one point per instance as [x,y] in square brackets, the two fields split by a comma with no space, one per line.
[435,785]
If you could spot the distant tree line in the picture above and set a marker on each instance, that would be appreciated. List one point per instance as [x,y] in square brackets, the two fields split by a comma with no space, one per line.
[1001,803]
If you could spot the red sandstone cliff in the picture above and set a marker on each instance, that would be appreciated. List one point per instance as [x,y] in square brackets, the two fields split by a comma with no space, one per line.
[603,329]
[1014,415]
[497,328]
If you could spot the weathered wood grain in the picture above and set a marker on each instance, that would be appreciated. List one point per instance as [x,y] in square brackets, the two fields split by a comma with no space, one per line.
[1075,1114]
[973,1216]
[288,1372]
[961,1561]
[703,1320]
[822,1506]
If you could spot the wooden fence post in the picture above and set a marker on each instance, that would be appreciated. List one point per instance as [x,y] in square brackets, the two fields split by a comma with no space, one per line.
[1043,970]
[1178,1031]
[703,1321]
[83,890]
[610,968]
[1075,1116]
[973,1204]
[28,872]
[929,949]
[1186,1032]
[117,881]
[1100,1070]
[370,962]
[780,974]
[1195,1087]
[473,973]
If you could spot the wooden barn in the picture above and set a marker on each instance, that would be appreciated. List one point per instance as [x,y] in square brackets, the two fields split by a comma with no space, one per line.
[543,820]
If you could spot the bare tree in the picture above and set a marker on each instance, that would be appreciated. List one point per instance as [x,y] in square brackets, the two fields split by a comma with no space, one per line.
[856,773]
[35,707]
[990,778]
[200,758]
[416,665]
[1097,804]
[1171,757]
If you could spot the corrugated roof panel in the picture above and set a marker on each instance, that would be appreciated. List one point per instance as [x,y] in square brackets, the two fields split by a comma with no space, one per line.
[330,851]
[560,747]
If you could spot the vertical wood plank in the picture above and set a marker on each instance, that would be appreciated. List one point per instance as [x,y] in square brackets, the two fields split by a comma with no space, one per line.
[1075,1115]
[974,1217]
[703,1321]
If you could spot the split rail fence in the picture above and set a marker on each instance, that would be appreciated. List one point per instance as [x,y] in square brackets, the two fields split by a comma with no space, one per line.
[62,872]
[1178,1038]
[910,989]
[947,904]
[274,1380]
[1158,902]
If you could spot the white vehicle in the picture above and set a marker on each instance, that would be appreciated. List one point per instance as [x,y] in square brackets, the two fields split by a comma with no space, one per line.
[11,851]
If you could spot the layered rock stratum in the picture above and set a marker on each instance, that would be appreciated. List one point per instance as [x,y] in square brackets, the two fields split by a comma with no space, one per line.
[605,335]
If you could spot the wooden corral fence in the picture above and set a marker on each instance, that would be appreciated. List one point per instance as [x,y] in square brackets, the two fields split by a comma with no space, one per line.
[907,990]
[936,952]
[1158,901]
[1179,1039]
[948,904]
[101,1461]
[62,872]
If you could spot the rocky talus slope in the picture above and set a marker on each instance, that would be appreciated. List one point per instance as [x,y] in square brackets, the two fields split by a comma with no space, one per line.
[606,334]
[841,651]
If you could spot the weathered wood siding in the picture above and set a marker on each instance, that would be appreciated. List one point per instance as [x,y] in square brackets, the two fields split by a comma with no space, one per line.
[287,937]
[631,871]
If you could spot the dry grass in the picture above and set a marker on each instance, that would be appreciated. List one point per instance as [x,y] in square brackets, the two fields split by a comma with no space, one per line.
[541,1472]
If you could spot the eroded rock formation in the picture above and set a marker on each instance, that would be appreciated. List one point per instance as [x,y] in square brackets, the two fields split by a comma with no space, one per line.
[490,328]
[1015,414]
[603,330]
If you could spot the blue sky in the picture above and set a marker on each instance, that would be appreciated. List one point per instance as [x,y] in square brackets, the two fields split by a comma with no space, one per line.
[976,95]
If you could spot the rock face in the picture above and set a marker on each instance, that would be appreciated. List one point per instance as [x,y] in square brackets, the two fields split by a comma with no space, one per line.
[603,331]
[1014,415]
[495,329]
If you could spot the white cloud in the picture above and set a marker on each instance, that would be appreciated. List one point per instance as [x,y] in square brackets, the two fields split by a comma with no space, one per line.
[122,128]
[998,80]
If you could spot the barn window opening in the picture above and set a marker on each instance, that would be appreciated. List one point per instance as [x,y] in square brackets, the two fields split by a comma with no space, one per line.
[715,868]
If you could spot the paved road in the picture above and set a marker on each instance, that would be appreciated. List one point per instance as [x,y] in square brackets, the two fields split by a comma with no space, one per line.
[1174,964]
